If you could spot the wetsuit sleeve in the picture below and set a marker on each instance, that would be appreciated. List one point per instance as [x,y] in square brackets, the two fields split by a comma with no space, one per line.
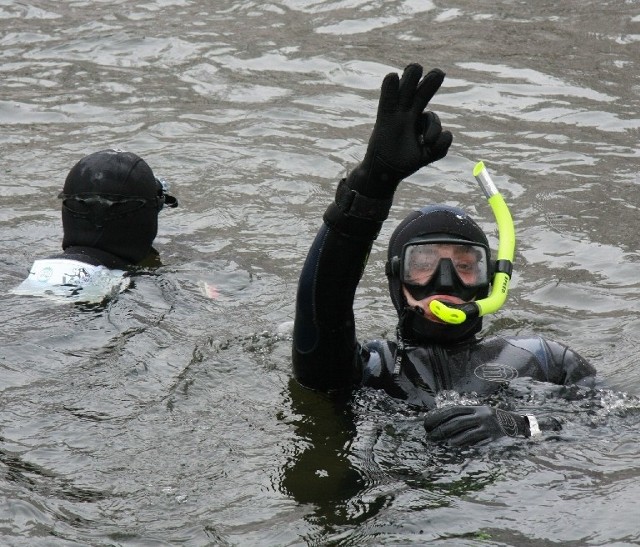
[325,350]
[570,367]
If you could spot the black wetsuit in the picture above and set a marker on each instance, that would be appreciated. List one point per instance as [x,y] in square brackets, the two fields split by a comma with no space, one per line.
[327,356]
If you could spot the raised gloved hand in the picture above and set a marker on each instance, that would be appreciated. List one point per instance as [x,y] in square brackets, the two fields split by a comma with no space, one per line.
[404,138]
[467,425]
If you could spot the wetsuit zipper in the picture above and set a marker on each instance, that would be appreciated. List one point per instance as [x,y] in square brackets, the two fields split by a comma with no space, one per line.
[441,372]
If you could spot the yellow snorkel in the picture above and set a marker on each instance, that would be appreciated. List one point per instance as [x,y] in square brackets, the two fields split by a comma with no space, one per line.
[459,313]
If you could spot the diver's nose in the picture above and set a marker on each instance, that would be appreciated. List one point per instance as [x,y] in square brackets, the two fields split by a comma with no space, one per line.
[444,276]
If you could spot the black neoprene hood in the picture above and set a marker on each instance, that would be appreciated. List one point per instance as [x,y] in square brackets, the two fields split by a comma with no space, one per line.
[114,175]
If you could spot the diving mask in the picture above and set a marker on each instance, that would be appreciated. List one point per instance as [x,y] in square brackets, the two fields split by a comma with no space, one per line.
[444,266]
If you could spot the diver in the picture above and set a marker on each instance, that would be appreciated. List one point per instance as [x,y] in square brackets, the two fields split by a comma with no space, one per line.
[110,205]
[438,259]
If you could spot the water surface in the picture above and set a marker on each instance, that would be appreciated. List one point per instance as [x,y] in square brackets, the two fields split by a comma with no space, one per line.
[167,416]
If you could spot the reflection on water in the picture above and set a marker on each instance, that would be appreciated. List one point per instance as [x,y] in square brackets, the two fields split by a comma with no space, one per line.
[167,415]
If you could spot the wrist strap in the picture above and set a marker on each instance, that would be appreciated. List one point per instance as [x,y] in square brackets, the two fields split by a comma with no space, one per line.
[353,203]
[355,215]
[531,428]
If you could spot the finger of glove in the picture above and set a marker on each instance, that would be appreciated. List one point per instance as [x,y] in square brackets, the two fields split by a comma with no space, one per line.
[455,427]
[469,437]
[440,416]
[408,85]
[440,148]
[435,142]
[431,127]
[388,94]
[427,88]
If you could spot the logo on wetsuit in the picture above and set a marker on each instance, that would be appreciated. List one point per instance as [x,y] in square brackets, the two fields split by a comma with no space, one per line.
[495,372]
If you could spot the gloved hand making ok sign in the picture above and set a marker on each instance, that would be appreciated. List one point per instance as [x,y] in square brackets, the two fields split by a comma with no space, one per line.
[404,138]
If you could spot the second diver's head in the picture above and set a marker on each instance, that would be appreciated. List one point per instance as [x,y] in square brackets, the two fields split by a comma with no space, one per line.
[438,252]
[110,202]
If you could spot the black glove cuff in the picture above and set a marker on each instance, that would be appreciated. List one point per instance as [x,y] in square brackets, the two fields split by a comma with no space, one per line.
[355,215]
[353,203]
[362,229]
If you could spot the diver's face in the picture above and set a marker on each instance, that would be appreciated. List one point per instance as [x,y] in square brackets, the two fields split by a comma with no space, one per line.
[450,273]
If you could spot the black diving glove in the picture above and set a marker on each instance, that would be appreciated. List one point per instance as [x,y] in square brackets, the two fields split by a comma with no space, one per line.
[467,425]
[404,138]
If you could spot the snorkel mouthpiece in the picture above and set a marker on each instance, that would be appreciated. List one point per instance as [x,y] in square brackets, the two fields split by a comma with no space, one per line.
[456,314]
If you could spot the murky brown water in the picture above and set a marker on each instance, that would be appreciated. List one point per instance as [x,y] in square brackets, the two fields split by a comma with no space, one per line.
[167,417]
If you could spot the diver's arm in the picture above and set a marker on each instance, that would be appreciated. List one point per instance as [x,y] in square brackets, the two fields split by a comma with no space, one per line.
[324,341]
[570,368]
[405,138]
[325,349]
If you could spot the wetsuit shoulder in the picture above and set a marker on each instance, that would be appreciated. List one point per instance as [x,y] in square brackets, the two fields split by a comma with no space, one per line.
[561,364]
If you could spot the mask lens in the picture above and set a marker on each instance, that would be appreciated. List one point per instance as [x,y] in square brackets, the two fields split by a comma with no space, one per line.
[423,261]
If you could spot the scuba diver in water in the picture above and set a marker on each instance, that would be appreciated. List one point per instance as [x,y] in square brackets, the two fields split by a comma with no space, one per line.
[110,205]
[440,276]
